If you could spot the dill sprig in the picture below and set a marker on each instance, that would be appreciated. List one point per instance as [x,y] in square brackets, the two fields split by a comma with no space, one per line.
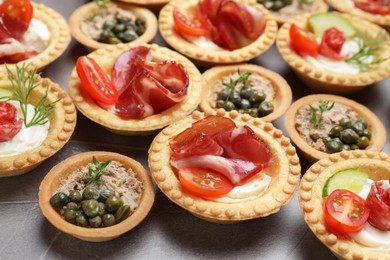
[316,113]
[367,48]
[23,83]
[101,4]
[233,83]
[96,172]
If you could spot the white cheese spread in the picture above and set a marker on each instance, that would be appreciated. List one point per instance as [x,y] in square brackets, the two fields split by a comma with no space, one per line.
[204,43]
[27,138]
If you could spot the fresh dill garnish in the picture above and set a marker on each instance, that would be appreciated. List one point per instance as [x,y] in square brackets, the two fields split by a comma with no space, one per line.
[96,172]
[101,4]
[316,113]
[243,78]
[23,83]
[367,48]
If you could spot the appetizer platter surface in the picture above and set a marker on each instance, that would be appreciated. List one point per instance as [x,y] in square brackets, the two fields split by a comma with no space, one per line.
[69,192]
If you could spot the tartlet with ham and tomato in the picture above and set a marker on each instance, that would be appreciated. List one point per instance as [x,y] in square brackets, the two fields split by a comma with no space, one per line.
[335,53]
[345,200]
[217,32]
[135,90]
[225,167]
[31,33]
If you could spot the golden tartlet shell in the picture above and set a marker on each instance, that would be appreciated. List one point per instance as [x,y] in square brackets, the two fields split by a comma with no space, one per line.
[329,82]
[62,124]
[154,5]
[285,171]
[106,59]
[377,165]
[283,94]
[59,38]
[205,57]
[62,170]
[378,138]
[84,11]
[343,7]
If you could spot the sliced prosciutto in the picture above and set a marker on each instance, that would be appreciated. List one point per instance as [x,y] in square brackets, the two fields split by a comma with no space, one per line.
[378,201]
[10,125]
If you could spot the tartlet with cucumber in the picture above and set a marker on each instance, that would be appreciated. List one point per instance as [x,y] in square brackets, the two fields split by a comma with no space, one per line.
[345,200]
[335,53]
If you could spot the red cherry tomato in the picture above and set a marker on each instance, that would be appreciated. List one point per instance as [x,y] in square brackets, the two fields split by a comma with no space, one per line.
[345,212]
[331,43]
[378,201]
[381,7]
[189,24]
[95,81]
[20,9]
[203,182]
[9,124]
[302,42]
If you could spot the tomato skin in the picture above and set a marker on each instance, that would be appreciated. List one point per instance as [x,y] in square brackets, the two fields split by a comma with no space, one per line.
[331,43]
[378,201]
[95,81]
[9,124]
[20,9]
[204,183]
[345,212]
[381,7]
[188,24]
[302,42]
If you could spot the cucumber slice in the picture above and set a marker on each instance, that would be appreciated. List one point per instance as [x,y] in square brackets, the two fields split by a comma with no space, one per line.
[351,179]
[321,22]
[5,92]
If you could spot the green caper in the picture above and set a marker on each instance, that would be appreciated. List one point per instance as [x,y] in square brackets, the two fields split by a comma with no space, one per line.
[129,36]
[257,97]
[363,121]
[80,213]
[245,104]
[367,133]
[109,24]
[70,215]
[348,136]
[104,194]
[246,93]
[120,36]
[333,146]
[81,220]
[363,142]
[123,20]
[278,5]
[327,139]
[90,207]
[354,147]
[75,196]
[95,222]
[345,122]
[103,36]
[59,200]
[90,193]
[139,30]
[359,128]
[119,28]
[229,106]
[335,131]
[235,98]
[220,104]
[265,108]
[108,220]
[224,94]
[140,21]
[113,40]
[122,213]
[102,209]
[72,205]
[253,112]
[113,203]
[346,147]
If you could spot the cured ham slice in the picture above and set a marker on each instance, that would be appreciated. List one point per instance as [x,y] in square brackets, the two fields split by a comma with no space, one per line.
[236,170]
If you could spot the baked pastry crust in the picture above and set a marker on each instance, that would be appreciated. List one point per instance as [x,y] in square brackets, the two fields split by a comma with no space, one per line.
[106,59]
[328,82]
[154,5]
[378,138]
[205,57]
[62,124]
[61,171]
[285,171]
[377,165]
[59,39]
[343,7]
[86,10]
[283,94]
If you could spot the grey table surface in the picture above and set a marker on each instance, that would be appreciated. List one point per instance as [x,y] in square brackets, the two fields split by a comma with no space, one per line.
[168,232]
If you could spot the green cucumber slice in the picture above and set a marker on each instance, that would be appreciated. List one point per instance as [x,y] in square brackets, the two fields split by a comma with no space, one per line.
[321,22]
[5,92]
[351,179]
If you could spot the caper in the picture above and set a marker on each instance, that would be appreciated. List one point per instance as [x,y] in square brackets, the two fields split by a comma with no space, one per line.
[359,128]
[59,200]
[140,21]
[90,193]
[72,205]
[265,108]
[102,209]
[109,24]
[257,97]
[220,104]
[348,136]
[129,36]
[253,112]
[224,94]
[278,5]
[113,203]
[268,4]
[367,133]
[346,147]
[95,222]
[119,28]
[327,139]
[113,40]
[104,194]
[363,121]
[246,93]
[354,147]
[139,30]
[103,37]
[235,98]
[90,207]
[335,131]
[108,220]
[333,146]
[75,196]
[81,220]
[345,122]
[131,26]
[80,213]
[122,213]
[229,106]
[363,142]
[245,104]
[70,215]
[123,20]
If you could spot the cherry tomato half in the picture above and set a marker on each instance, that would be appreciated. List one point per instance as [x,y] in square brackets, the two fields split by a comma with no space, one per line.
[302,42]
[189,24]
[20,9]
[204,182]
[9,124]
[95,81]
[345,212]
[381,7]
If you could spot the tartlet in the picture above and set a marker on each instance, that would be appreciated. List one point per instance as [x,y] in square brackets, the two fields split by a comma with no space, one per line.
[377,165]
[205,57]
[60,172]
[285,172]
[59,38]
[62,124]
[283,94]
[378,138]
[345,6]
[86,10]
[106,59]
[154,5]
[328,82]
